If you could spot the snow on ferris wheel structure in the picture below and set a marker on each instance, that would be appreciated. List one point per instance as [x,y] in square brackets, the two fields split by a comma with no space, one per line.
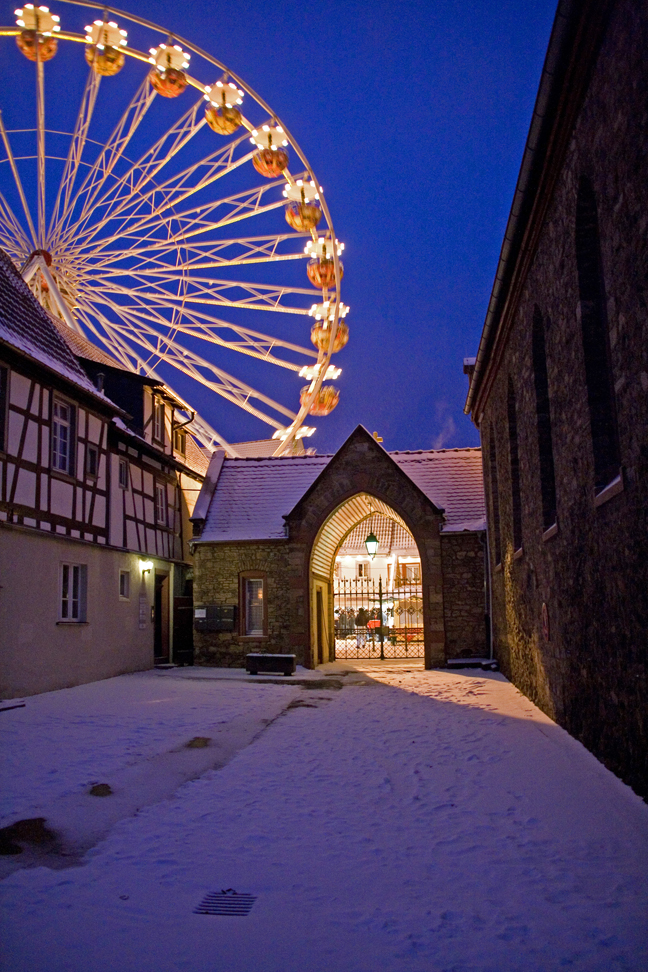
[139,247]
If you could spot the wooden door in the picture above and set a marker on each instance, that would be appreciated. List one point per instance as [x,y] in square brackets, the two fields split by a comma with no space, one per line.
[183,630]
[161,638]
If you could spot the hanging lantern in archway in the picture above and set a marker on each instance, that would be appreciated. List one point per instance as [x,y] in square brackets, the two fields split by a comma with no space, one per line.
[371,543]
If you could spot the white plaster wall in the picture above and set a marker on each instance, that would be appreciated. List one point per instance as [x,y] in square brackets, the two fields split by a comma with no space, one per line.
[37,654]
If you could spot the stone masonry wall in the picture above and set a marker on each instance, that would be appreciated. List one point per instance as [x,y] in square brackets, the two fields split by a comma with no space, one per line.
[216,570]
[462,558]
[587,669]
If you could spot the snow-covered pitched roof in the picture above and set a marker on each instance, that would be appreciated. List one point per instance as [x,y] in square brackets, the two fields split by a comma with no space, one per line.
[25,326]
[252,496]
[82,347]
[452,479]
[262,448]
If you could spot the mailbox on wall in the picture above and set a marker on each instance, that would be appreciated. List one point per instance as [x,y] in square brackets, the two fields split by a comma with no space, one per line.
[216,617]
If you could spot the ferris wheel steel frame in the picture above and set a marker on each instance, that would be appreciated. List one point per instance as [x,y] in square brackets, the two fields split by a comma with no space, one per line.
[94,198]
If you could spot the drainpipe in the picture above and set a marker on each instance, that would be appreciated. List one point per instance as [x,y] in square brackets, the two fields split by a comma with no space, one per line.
[183,425]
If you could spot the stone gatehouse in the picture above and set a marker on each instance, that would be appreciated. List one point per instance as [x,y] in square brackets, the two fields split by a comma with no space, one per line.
[268,540]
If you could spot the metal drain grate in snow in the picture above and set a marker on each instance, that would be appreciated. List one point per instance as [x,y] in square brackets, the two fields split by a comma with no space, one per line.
[228,902]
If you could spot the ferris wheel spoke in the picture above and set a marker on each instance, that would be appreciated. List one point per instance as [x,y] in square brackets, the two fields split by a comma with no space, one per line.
[75,153]
[130,210]
[166,349]
[113,149]
[207,256]
[11,232]
[40,144]
[117,348]
[140,173]
[242,206]
[176,190]
[198,324]
[202,431]
[206,435]
[246,203]
[18,183]
[179,187]
[122,198]
[208,292]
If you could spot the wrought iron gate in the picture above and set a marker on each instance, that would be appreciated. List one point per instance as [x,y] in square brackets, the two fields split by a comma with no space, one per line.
[356,613]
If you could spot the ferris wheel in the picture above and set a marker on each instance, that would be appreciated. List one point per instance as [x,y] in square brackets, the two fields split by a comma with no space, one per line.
[169,220]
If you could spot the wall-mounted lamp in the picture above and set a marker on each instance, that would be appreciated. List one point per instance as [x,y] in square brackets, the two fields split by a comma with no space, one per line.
[146,566]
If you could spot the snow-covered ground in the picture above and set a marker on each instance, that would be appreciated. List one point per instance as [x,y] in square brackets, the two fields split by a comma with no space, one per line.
[410,822]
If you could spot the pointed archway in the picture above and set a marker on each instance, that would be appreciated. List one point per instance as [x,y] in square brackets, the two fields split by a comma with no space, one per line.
[345,588]
[361,477]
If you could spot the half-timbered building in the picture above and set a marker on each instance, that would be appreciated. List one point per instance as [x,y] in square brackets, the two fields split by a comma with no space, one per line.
[97,481]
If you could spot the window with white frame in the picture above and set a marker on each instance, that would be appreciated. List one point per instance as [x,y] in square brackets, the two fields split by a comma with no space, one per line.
[62,436]
[362,569]
[158,420]
[254,608]
[160,504]
[124,585]
[72,600]
[123,473]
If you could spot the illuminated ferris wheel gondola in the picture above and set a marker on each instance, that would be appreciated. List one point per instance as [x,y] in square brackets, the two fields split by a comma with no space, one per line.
[146,239]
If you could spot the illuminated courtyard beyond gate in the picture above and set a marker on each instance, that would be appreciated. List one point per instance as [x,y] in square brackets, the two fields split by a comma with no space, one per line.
[378,602]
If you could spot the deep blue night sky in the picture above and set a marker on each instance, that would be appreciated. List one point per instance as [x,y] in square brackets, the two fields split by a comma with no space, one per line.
[414,118]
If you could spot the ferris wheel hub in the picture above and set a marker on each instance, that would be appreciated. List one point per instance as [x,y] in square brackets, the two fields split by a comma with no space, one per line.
[45,254]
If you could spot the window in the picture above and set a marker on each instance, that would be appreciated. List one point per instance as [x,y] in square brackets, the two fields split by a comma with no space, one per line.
[160,504]
[62,436]
[494,489]
[123,473]
[596,341]
[413,572]
[72,605]
[516,499]
[180,441]
[124,585]
[253,605]
[362,570]
[158,420]
[92,461]
[543,421]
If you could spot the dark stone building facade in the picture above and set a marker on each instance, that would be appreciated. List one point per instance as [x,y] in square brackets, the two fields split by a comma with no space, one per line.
[282,522]
[559,392]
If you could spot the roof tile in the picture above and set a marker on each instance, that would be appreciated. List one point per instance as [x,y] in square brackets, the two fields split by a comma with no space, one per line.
[27,327]
[253,495]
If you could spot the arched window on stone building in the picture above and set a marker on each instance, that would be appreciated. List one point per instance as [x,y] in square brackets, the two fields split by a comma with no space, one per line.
[516,498]
[543,421]
[596,342]
[494,489]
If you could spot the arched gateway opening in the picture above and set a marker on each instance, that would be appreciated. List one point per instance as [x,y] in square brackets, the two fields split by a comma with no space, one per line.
[359,485]
[366,606]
